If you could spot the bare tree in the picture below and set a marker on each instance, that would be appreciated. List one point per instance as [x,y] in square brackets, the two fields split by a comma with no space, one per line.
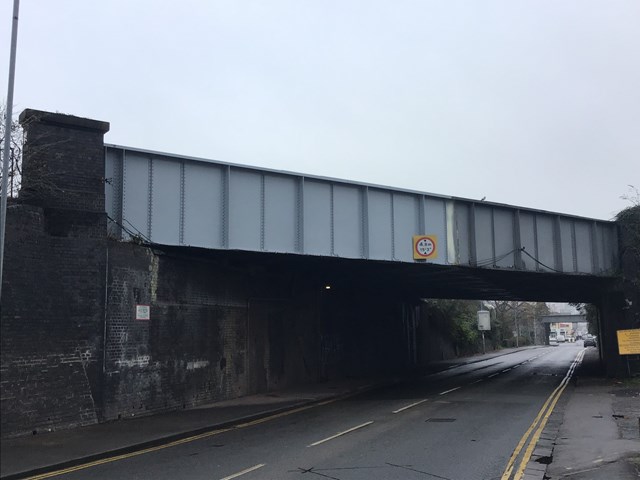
[39,177]
[15,137]
[629,221]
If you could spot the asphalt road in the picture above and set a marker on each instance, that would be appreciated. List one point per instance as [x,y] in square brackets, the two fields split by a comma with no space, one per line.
[461,424]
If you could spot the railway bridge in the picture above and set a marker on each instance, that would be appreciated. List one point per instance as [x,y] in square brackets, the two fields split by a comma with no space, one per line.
[138,281]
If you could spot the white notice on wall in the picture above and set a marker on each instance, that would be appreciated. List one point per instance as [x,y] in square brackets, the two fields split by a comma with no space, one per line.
[143,312]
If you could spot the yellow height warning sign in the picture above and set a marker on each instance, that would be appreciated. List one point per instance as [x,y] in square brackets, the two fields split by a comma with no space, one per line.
[425,247]
[629,342]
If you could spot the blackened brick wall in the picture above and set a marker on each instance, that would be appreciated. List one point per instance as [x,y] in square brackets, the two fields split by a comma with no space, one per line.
[434,338]
[51,326]
[199,345]
[73,352]
[193,348]
[620,306]
[63,164]
[218,331]
[52,316]
[361,334]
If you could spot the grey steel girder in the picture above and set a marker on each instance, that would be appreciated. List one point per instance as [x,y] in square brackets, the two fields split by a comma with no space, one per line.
[558,318]
[175,200]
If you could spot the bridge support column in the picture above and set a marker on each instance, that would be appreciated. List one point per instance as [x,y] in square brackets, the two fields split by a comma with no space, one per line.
[52,320]
[611,319]
[547,332]
[617,313]
[63,164]
[620,306]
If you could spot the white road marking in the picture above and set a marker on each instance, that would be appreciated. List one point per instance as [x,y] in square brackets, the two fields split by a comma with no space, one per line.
[449,391]
[340,434]
[245,471]
[409,406]
[506,370]
[494,375]
[477,381]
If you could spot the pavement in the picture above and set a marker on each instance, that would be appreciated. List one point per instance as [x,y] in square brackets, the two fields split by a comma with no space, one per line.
[592,434]
[596,427]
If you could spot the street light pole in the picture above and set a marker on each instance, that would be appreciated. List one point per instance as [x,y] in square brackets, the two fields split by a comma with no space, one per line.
[515,322]
[7,135]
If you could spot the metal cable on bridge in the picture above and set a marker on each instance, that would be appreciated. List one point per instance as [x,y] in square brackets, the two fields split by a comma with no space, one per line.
[538,261]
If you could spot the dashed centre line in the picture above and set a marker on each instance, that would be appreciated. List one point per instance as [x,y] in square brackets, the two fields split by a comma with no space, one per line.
[244,472]
[259,421]
[409,406]
[449,391]
[340,434]
[502,371]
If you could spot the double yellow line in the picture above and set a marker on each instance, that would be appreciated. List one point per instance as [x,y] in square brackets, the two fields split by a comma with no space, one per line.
[538,426]
[126,455]
[193,438]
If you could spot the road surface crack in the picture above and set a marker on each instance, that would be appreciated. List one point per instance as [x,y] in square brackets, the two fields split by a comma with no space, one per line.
[318,471]
[406,467]
[315,472]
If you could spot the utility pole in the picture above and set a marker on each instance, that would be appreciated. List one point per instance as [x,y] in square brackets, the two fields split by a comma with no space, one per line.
[484,323]
[515,321]
[7,135]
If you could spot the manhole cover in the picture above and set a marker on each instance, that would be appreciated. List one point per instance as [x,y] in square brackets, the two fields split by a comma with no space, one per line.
[440,420]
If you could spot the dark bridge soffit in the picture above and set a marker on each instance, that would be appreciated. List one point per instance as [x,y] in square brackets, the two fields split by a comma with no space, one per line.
[404,280]
[187,201]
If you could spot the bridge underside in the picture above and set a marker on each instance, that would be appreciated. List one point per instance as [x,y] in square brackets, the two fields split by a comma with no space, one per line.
[411,281]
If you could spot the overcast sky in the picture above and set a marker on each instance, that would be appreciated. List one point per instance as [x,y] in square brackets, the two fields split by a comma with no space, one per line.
[530,103]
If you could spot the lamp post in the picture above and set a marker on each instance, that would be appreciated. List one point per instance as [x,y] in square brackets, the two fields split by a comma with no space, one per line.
[484,324]
[515,321]
[7,135]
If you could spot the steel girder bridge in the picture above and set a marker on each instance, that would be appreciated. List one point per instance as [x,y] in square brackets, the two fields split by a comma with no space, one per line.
[430,244]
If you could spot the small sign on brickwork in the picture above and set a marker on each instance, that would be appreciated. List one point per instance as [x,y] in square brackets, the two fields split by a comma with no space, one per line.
[143,312]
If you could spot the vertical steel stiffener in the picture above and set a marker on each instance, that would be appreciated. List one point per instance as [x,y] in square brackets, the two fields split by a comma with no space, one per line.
[178,200]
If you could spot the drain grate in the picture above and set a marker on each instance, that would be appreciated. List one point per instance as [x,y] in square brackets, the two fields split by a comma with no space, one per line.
[440,420]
